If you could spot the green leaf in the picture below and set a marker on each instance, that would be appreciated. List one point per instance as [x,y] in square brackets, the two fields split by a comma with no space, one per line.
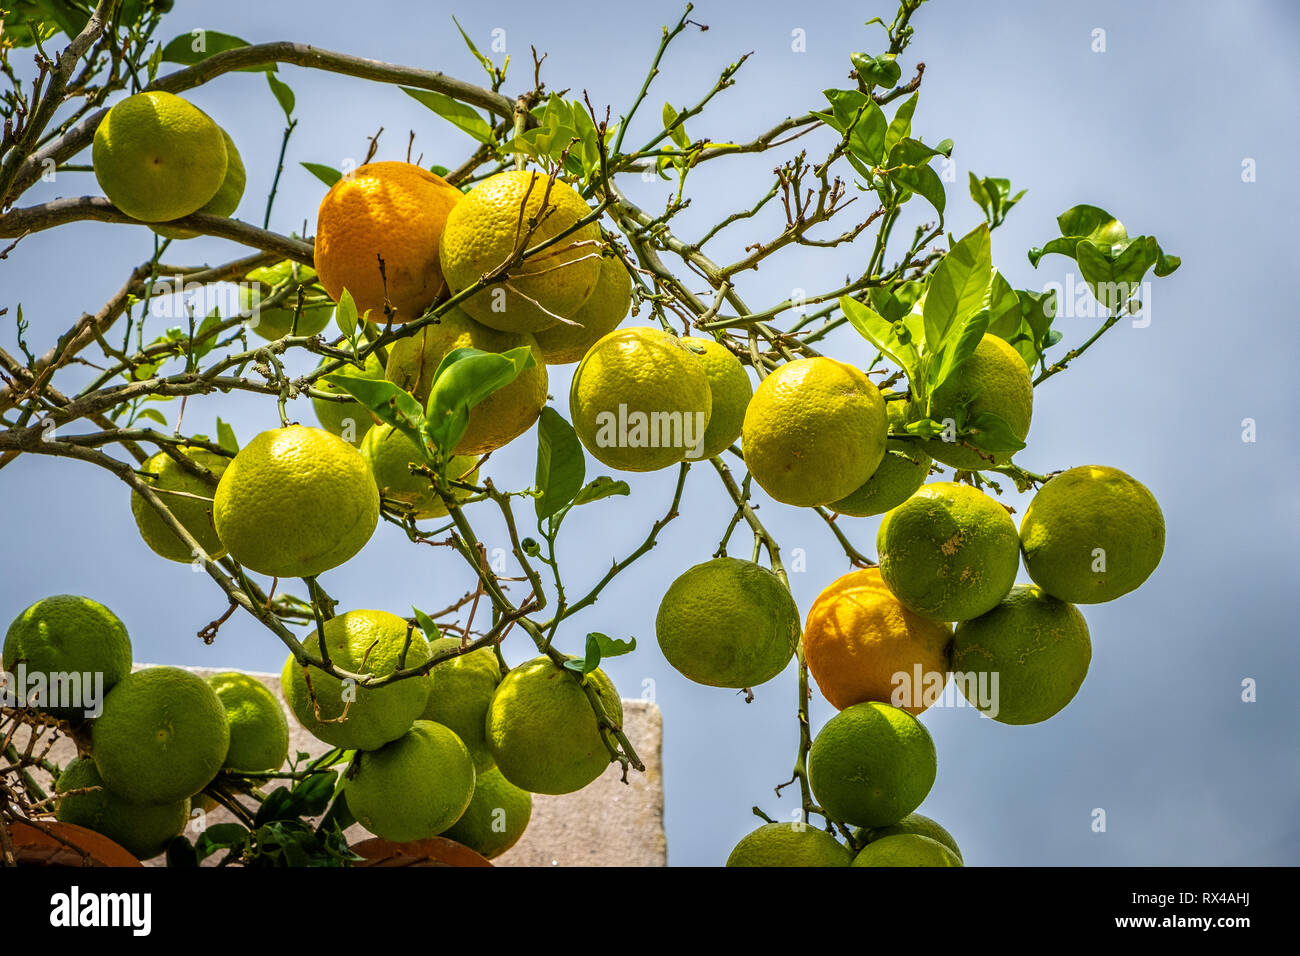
[990,432]
[923,181]
[676,131]
[427,625]
[464,378]
[900,127]
[312,794]
[205,336]
[183,50]
[1114,280]
[483,61]
[957,286]
[602,487]
[855,112]
[599,646]
[882,70]
[1003,309]
[387,400]
[958,348]
[155,61]
[153,415]
[345,315]
[561,465]
[326,174]
[226,437]
[1090,221]
[913,152]
[220,836]
[881,333]
[180,854]
[283,95]
[464,118]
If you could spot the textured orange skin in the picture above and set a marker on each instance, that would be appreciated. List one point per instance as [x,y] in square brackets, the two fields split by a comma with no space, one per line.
[392,210]
[858,636]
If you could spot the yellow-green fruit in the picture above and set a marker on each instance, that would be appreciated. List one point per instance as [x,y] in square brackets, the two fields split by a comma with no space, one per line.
[501,417]
[413,788]
[542,730]
[728,623]
[640,400]
[730,389]
[1092,534]
[604,309]
[165,474]
[1024,660]
[259,733]
[784,844]
[917,823]
[277,321]
[143,831]
[354,716]
[390,454]
[226,199]
[994,379]
[496,817]
[158,157]
[871,765]
[903,470]
[296,502]
[349,420]
[949,552]
[462,689]
[485,229]
[906,849]
[162,737]
[814,431]
[67,634]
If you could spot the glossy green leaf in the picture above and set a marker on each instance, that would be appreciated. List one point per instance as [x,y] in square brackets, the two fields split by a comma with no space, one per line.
[283,94]
[602,487]
[326,174]
[561,465]
[465,118]
[226,437]
[182,49]
[464,378]
[957,286]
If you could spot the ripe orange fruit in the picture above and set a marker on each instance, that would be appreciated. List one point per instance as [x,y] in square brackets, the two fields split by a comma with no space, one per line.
[862,644]
[389,210]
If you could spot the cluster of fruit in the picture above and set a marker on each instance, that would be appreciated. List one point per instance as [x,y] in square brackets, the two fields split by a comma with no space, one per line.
[457,751]
[155,740]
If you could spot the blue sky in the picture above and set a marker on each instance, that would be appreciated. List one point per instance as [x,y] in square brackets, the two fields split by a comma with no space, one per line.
[1155,129]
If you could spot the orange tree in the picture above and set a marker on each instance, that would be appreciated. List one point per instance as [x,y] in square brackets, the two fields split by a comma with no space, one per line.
[933,306]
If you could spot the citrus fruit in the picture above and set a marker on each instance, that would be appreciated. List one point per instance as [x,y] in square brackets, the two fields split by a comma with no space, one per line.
[871,765]
[352,715]
[906,849]
[68,635]
[542,731]
[276,321]
[165,474]
[784,844]
[861,644]
[144,831]
[259,734]
[728,623]
[496,817]
[604,309]
[994,379]
[391,211]
[903,469]
[461,690]
[162,737]
[295,502]
[1027,657]
[413,788]
[640,400]
[158,157]
[501,417]
[730,389]
[1092,534]
[226,199]
[349,420]
[492,224]
[949,552]
[814,431]
[390,454]
[917,823]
